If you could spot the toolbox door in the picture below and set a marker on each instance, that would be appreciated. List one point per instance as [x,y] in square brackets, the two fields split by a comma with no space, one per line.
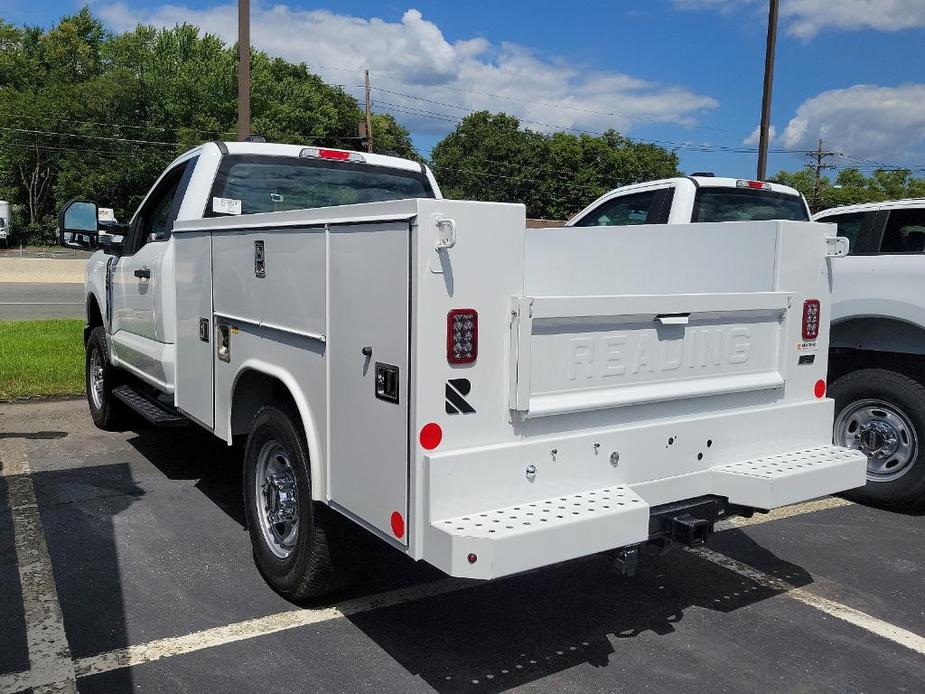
[368,351]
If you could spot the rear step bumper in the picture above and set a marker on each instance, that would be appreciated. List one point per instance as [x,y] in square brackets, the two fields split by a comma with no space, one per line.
[490,543]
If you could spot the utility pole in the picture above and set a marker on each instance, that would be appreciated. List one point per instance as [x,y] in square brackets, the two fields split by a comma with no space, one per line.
[818,164]
[765,126]
[244,69]
[369,117]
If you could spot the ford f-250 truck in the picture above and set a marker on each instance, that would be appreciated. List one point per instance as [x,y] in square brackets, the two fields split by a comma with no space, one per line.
[877,360]
[480,397]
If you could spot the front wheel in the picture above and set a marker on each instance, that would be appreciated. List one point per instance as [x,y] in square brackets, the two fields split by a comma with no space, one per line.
[290,533]
[100,376]
[882,414]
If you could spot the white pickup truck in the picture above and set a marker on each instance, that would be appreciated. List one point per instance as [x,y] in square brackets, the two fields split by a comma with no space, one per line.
[486,399]
[877,360]
[700,197]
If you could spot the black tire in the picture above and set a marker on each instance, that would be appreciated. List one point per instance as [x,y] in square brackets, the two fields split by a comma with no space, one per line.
[905,396]
[309,570]
[107,412]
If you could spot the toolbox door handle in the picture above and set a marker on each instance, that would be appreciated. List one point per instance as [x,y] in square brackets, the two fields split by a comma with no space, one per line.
[673,318]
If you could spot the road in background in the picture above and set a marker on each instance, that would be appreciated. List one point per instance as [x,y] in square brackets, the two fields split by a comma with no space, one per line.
[27,301]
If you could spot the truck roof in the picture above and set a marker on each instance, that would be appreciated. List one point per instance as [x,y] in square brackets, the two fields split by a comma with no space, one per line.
[703,181]
[868,206]
[286,150]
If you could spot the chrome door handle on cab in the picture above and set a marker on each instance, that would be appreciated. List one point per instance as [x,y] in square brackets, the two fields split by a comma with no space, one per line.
[143,273]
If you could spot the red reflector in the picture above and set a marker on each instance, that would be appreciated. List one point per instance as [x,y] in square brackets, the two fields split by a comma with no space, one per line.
[819,389]
[462,336]
[333,154]
[472,558]
[398,524]
[811,319]
[431,436]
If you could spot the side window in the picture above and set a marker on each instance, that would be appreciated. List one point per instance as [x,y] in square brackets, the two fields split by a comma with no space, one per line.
[155,219]
[626,209]
[904,232]
[849,226]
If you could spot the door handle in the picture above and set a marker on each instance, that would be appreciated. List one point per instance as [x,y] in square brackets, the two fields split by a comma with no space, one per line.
[143,273]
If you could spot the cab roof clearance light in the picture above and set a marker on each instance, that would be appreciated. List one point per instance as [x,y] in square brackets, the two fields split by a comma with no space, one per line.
[332,154]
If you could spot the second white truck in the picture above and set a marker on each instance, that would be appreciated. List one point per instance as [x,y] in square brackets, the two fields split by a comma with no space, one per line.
[486,399]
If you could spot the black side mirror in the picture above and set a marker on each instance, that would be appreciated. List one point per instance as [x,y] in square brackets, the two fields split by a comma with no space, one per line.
[79,227]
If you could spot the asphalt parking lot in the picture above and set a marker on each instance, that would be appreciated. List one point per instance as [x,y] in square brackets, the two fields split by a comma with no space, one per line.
[125,566]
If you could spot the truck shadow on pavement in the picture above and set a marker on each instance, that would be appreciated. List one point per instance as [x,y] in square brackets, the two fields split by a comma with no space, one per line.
[521,629]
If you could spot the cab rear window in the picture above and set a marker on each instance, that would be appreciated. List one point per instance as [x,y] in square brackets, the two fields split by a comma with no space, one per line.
[275,184]
[745,205]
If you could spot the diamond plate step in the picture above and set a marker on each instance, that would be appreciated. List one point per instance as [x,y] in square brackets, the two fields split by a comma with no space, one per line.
[149,408]
[537,533]
[787,478]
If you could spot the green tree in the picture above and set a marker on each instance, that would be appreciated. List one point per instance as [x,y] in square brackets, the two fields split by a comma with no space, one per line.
[87,113]
[851,186]
[490,157]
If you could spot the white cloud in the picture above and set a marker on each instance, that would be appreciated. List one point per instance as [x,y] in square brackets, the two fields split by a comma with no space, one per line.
[806,18]
[756,135]
[473,73]
[869,121]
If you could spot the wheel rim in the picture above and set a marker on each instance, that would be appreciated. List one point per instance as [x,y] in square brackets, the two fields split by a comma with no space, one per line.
[881,431]
[97,381]
[277,494]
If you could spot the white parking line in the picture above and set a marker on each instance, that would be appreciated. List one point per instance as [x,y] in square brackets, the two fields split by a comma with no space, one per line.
[292,619]
[50,664]
[860,619]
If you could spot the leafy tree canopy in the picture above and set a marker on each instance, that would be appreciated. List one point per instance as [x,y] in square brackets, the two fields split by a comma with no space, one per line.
[87,113]
[850,186]
[489,157]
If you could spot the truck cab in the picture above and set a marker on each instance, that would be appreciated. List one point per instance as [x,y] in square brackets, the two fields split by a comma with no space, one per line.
[877,362]
[695,198]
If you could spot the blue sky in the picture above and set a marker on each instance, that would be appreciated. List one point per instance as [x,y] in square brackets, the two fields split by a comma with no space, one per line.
[686,72]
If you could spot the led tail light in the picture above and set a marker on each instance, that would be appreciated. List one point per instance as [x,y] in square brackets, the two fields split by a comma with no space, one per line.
[462,335]
[811,319]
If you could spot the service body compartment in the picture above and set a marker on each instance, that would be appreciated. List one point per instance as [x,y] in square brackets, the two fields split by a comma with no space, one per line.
[617,369]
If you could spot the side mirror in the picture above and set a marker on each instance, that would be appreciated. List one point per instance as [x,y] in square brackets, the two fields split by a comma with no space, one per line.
[78,226]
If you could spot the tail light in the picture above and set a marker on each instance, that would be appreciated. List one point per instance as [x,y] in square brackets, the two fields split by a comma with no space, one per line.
[462,335]
[811,319]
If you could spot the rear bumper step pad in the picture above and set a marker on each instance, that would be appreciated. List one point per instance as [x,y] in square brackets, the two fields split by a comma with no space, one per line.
[779,480]
[498,542]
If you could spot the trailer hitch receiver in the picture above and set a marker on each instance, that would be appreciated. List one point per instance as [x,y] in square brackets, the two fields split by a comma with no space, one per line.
[690,531]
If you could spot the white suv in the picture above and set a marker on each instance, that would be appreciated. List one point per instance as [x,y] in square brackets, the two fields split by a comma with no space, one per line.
[877,363]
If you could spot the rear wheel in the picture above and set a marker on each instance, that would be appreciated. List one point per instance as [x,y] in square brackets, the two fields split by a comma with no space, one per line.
[100,376]
[290,533]
[882,414]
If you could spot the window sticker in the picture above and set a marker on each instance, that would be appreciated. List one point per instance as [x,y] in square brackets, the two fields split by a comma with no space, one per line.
[226,206]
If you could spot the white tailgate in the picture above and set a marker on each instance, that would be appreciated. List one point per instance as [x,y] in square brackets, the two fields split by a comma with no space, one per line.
[581,353]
